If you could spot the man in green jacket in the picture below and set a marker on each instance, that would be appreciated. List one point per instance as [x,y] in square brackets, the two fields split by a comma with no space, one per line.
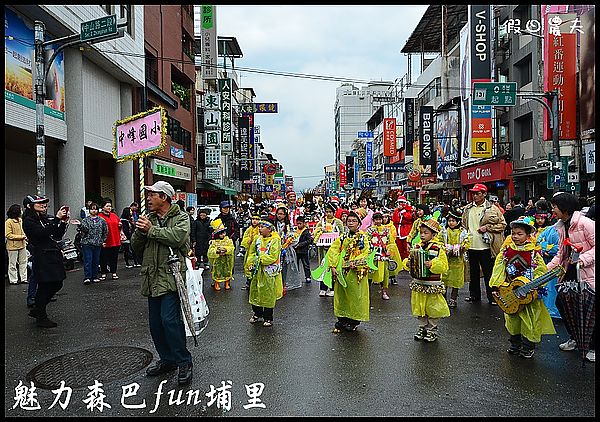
[166,226]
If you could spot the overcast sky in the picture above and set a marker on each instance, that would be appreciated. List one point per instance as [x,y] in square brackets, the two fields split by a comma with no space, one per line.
[358,42]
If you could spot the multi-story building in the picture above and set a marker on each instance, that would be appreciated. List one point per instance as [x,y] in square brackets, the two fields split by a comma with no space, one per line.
[353,108]
[94,86]
[170,83]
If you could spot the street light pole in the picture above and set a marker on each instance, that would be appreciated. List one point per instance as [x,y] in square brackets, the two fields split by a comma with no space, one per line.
[39,93]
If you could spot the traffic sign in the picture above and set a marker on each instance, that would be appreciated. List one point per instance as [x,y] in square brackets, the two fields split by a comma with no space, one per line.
[495,93]
[98,28]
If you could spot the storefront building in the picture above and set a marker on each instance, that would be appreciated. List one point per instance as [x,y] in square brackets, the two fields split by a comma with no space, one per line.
[496,175]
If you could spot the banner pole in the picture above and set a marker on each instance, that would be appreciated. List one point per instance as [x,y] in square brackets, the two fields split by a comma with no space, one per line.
[142,184]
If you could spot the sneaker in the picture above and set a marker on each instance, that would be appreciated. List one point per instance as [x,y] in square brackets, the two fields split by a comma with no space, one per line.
[137,265]
[420,334]
[159,368]
[115,276]
[308,279]
[254,319]
[451,303]
[185,374]
[385,296]
[322,293]
[393,282]
[96,280]
[430,335]
[527,353]
[128,266]
[267,323]
[471,299]
[568,345]
[591,356]
[87,281]
[329,293]
[514,349]
[239,254]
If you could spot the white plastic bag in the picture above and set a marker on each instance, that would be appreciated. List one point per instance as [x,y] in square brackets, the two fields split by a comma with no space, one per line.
[196,298]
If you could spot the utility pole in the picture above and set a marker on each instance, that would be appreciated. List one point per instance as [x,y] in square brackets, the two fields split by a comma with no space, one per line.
[41,72]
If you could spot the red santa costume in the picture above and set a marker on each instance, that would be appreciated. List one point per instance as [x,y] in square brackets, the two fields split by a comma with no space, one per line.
[403,218]
[293,209]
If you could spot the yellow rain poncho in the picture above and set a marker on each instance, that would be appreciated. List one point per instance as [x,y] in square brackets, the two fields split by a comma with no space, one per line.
[221,266]
[264,263]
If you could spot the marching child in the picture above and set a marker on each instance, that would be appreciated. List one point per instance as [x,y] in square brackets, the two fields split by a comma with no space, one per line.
[457,241]
[426,263]
[393,249]
[520,257]
[329,224]
[264,262]
[249,237]
[381,241]
[304,242]
[220,254]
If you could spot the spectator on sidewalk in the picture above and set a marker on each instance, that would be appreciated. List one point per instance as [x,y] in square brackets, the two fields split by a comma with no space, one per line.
[94,232]
[165,229]
[512,212]
[110,248]
[85,210]
[485,225]
[16,242]
[48,268]
[128,227]
[201,235]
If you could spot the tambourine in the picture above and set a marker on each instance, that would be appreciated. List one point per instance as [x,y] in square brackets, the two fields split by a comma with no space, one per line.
[392,265]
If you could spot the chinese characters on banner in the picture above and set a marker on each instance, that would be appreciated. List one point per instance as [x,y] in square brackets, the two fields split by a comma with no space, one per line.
[369,155]
[244,136]
[225,92]
[409,122]
[251,145]
[389,137]
[139,135]
[208,35]
[343,179]
[560,74]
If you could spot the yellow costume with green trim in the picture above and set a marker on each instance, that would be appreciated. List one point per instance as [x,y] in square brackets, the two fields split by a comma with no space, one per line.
[523,261]
[393,249]
[381,242]
[250,235]
[427,293]
[457,242]
[221,265]
[264,264]
[351,299]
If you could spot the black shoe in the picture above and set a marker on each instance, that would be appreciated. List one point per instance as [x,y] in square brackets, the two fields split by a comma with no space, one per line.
[527,353]
[37,313]
[30,304]
[53,299]
[472,299]
[160,368]
[514,349]
[46,323]
[185,374]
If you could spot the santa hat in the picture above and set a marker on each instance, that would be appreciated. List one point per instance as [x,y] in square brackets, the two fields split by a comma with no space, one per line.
[402,199]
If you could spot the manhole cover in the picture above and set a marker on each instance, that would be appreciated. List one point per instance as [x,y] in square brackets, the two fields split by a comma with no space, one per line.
[80,369]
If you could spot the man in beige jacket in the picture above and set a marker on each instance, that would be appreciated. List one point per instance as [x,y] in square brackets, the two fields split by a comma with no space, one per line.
[485,223]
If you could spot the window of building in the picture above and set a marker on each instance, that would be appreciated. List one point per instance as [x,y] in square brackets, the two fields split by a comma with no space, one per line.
[108,8]
[125,13]
[524,127]
[151,67]
[187,44]
[200,119]
[523,71]
[523,12]
[178,134]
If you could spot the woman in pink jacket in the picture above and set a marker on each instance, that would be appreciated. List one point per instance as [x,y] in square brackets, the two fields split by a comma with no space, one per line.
[581,231]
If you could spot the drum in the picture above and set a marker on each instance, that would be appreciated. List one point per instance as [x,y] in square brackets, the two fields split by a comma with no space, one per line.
[326,239]
[418,257]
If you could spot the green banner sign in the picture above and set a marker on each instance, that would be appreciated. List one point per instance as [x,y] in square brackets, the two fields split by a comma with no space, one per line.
[207,17]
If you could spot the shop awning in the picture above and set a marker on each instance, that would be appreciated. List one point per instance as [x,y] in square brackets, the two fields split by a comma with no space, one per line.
[528,171]
[455,184]
[208,185]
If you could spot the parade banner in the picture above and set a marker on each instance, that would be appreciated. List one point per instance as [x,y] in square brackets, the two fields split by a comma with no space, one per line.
[426,141]
[465,95]
[343,179]
[369,155]
[244,136]
[389,137]
[140,135]
[18,65]
[251,145]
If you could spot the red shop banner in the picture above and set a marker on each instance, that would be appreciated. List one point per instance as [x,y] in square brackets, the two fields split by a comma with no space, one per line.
[488,172]
[343,179]
[560,74]
[389,136]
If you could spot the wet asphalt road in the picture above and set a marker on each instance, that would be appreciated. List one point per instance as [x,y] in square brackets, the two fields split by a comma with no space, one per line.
[305,368]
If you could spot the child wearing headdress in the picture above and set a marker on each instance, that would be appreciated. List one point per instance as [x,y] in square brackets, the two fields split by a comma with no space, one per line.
[422,212]
[393,249]
[426,263]
[381,241]
[457,241]
[519,257]
[547,239]
[264,263]
[220,254]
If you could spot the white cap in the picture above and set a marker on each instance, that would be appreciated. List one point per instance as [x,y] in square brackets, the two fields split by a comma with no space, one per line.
[162,187]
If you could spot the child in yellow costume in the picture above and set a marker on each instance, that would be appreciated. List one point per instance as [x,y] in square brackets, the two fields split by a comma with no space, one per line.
[393,248]
[250,236]
[427,296]
[457,241]
[220,253]
[328,224]
[264,263]
[520,257]
[381,241]
[347,261]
